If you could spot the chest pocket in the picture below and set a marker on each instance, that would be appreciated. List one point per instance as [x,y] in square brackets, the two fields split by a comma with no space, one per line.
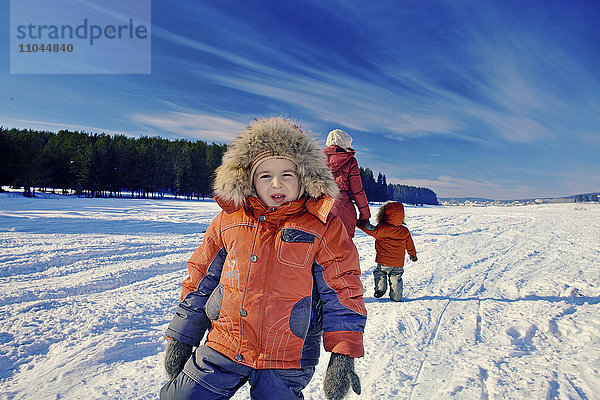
[295,248]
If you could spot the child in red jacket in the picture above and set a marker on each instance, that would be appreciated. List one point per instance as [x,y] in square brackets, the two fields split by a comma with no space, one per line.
[392,239]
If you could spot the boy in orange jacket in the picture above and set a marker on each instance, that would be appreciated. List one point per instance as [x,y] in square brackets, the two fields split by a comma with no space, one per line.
[392,240]
[276,273]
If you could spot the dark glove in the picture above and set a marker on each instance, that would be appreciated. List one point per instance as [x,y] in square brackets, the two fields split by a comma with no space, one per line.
[413,258]
[177,355]
[339,376]
[361,222]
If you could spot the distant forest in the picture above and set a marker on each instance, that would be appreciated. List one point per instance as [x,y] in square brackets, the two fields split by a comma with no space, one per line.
[100,165]
[379,190]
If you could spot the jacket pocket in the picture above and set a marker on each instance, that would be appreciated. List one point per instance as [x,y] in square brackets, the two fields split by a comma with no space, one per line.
[300,317]
[213,304]
[295,248]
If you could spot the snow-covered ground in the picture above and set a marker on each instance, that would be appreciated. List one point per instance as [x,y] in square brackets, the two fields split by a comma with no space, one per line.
[502,304]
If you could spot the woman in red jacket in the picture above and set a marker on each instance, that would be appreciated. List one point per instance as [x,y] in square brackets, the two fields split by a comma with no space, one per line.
[343,165]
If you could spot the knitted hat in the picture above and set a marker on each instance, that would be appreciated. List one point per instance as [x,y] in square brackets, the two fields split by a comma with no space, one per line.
[264,156]
[270,138]
[339,138]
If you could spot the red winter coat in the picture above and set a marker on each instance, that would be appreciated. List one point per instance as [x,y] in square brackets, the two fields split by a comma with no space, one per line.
[345,170]
[392,238]
[273,281]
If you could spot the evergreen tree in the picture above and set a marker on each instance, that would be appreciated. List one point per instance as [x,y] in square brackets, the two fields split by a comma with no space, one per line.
[380,190]
[8,149]
[214,155]
[368,182]
[200,171]
[58,159]
[124,165]
[27,159]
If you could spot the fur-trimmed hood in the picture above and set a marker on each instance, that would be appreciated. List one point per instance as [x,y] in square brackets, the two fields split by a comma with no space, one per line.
[233,182]
[391,212]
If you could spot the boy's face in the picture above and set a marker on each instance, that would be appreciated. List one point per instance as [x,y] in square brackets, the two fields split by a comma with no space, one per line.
[276,182]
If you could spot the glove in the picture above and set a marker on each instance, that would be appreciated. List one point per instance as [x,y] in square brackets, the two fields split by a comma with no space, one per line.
[361,222]
[339,376]
[413,258]
[176,356]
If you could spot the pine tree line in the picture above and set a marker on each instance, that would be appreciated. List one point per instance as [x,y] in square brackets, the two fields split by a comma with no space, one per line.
[100,165]
[379,190]
[582,198]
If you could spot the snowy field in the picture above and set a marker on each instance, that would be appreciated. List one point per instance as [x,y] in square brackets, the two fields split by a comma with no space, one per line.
[502,304]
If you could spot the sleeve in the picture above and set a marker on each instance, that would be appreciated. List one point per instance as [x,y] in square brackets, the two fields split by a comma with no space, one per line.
[410,245]
[204,273]
[371,230]
[357,191]
[337,276]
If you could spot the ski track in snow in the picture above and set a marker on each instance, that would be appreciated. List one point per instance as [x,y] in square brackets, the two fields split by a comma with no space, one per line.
[502,304]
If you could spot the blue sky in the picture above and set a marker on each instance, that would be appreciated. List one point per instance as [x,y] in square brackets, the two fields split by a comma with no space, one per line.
[495,99]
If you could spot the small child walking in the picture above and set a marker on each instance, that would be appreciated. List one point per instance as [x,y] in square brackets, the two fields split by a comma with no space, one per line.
[392,239]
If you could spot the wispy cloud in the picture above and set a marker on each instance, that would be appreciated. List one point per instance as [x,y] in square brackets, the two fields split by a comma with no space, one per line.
[55,126]
[514,102]
[450,186]
[324,93]
[189,125]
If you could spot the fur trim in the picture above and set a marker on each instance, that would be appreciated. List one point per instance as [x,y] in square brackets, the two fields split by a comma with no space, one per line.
[391,213]
[233,181]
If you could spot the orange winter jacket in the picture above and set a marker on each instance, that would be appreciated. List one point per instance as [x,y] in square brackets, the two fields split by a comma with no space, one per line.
[392,238]
[271,282]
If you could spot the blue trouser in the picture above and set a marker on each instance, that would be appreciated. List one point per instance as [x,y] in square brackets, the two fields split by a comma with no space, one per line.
[383,274]
[209,375]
